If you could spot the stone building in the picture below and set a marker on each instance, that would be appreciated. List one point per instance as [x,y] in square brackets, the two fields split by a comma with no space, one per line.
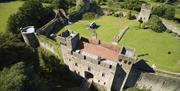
[28,34]
[144,13]
[105,64]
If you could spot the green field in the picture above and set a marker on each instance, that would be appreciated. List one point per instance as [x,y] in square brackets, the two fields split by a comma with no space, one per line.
[6,9]
[156,45]
[108,27]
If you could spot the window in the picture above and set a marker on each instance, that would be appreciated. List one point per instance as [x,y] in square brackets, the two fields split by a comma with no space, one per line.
[89,69]
[104,83]
[120,60]
[76,64]
[129,63]
[103,75]
[71,52]
[84,57]
[98,80]
[125,61]
[110,66]
[69,59]
[99,62]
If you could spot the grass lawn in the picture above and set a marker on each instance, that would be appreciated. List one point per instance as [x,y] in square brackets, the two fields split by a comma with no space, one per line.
[177,14]
[108,27]
[157,45]
[6,9]
[134,89]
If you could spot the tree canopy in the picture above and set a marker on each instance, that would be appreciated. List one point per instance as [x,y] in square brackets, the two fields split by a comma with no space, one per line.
[13,78]
[165,11]
[32,13]
[155,24]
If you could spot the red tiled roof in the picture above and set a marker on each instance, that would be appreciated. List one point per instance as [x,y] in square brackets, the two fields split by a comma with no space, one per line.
[100,50]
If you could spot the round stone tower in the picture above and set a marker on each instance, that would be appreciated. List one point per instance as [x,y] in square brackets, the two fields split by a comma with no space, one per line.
[28,34]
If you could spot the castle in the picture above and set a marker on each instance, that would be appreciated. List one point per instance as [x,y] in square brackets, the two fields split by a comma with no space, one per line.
[108,65]
[105,64]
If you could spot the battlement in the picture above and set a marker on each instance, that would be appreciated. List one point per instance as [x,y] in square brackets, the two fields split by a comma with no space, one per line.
[69,39]
[106,63]
[95,51]
[93,59]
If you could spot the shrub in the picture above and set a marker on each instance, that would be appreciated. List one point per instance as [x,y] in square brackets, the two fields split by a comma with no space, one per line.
[174,34]
[169,13]
[159,10]
[118,14]
[89,16]
[155,24]
[168,31]
[130,16]
[132,5]
[72,10]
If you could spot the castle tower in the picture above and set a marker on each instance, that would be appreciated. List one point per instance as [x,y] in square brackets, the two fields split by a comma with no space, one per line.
[144,13]
[70,39]
[125,61]
[28,34]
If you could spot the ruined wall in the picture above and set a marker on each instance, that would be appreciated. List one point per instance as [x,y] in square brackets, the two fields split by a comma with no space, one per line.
[155,82]
[144,13]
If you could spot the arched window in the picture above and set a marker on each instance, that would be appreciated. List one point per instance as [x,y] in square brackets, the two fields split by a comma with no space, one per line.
[103,74]
[89,69]
[125,61]
[110,66]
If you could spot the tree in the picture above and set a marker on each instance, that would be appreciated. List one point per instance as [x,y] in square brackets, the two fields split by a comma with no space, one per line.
[32,13]
[79,4]
[165,11]
[14,78]
[159,10]
[132,4]
[169,13]
[63,4]
[156,24]
[130,17]
[13,50]
[19,66]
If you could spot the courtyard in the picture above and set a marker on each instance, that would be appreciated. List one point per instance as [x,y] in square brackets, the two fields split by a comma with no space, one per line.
[160,49]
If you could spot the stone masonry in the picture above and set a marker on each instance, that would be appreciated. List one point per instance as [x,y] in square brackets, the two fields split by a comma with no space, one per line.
[144,13]
[105,64]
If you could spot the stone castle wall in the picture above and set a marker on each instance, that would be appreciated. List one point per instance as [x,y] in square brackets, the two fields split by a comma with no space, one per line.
[50,45]
[155,82]
[103,73]
[30,39]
